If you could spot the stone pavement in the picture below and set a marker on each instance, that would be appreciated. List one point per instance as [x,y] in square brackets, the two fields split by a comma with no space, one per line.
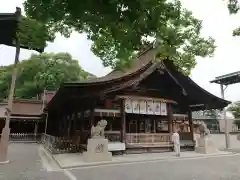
[219,140]
[66,161]
[214,168]
[25,164]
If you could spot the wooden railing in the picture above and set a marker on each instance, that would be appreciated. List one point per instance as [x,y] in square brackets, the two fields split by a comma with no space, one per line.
[113,136]
[185,136]
[146,138]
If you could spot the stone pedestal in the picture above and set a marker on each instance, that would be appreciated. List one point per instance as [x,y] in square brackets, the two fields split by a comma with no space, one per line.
[238,137]
[205,146]
[97,150]
[4,145]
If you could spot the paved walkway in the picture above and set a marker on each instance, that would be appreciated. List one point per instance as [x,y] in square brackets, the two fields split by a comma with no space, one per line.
[76,160]
[25,164]
[214,168]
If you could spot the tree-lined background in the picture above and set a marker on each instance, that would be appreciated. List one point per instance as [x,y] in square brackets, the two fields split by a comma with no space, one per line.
[39,72]
[119,30]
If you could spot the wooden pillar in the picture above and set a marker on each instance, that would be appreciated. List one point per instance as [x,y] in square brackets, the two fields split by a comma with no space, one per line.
[81,119]
[36,128]
[190,123]
[69,122]
[154,125]
[74,123]
[123,121]
[170,118]
[92,114]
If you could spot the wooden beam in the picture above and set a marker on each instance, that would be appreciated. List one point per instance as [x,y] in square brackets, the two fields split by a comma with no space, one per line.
[147,98]
[123,120]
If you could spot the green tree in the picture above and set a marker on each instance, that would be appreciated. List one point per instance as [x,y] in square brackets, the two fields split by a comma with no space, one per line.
[235,109]
[39,72]
[214,115]
[233,7]
[33,35]
[121,29]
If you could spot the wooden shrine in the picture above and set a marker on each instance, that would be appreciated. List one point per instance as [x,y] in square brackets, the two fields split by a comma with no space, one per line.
[140,105]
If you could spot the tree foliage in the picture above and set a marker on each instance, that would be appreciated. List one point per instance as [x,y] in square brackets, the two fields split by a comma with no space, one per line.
[33,35]
[39,72]
[120,29]
[213,113]
[233,7]
[235,109]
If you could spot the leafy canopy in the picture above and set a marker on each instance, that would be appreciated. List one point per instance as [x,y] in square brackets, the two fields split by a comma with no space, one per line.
[235,109]
[33,34]
[234,7]
[120,29]
[39,72]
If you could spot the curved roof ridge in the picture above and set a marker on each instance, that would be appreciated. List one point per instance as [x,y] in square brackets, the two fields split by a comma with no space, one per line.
[190,81]
[144,59]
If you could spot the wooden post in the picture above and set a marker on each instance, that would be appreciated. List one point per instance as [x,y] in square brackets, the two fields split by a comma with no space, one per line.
[170,119]
[123,121]
[154,126]
[74,123]
[92,111]
[190,123]
[81,119]
[36,128]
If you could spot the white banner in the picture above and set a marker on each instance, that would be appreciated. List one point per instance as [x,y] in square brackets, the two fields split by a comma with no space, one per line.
[128,106]
[157,108]
[163,109]
[150,107]
[143,107]
[135,106]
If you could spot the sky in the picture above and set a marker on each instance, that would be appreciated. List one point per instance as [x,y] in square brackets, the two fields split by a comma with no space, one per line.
[216,23]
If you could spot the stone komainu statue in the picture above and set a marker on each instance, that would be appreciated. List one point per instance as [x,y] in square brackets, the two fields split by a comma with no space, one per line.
[98,131]
[204,131]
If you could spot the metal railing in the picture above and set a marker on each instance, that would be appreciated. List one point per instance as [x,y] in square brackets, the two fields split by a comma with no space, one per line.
[57,145]
[24,137]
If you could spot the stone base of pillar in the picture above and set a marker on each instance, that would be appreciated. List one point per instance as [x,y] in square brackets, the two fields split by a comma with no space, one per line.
[4,145]
[205,146]
[97,150]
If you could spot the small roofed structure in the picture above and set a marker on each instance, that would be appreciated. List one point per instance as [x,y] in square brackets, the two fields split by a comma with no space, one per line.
[139,105]
[9,27]
[225,80]
[228,79]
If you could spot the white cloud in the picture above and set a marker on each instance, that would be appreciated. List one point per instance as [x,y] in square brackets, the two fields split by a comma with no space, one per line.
[216,23]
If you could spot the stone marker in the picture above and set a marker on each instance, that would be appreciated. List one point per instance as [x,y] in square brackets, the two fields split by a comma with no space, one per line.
[97,147]
[204,145]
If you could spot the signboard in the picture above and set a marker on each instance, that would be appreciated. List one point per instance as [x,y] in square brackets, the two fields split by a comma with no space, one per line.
[157,108]
[145,107]
[128,106]
[150,107]
[135,106]
[163,109]
[142,107]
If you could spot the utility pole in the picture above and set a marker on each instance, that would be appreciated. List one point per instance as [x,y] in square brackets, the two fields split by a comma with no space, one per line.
[4,142]
[227,139]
